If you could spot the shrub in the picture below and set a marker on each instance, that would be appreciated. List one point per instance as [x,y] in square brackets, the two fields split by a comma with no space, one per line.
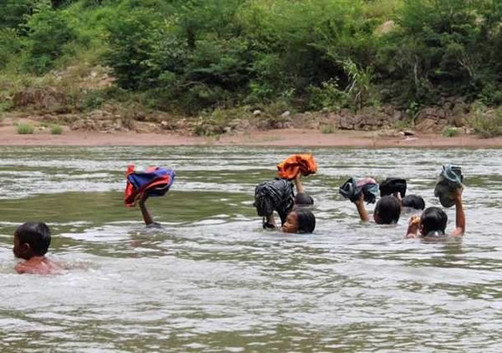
[25,129]
[201,55]
[328,129]
[10,44]
[56,129]
[5,105]
[443,48]
[131,39]
[14,12]
[360,89]
[486,122]
[219,53]
[217,121]
[304,43]
[328,95]
[92,100]
[47,33]
[450,131]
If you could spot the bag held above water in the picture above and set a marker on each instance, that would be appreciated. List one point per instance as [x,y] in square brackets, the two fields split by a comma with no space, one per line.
[391,185]
[155,181]
[274,195]
[353,188]
[449,180]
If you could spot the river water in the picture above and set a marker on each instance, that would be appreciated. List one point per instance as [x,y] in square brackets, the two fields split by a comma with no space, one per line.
[213,281]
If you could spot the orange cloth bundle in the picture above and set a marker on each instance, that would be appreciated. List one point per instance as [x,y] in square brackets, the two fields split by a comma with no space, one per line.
[297,163]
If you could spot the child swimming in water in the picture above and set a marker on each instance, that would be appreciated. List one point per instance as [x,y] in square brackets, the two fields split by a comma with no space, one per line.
[278,195]
[387,210]
[31,242]
[432,222]
[300,220]
[359,190]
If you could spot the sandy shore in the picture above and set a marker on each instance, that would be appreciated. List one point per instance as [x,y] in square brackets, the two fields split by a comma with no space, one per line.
[285,138]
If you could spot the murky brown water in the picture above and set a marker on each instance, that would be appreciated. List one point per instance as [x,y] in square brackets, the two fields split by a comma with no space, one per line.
[212,281]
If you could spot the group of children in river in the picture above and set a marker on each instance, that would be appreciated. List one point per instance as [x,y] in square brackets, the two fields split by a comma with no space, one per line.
[32,239]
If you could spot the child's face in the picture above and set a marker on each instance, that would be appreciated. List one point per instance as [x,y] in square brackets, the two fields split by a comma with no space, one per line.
[421,230]
[291,224]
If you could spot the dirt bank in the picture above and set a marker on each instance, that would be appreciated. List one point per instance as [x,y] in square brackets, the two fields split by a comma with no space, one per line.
[279,137]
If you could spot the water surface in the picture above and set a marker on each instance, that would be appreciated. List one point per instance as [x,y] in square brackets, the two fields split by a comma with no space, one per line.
[213,281]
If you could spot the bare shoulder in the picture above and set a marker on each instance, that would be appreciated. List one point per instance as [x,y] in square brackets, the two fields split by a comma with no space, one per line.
[39,267]
[20,268]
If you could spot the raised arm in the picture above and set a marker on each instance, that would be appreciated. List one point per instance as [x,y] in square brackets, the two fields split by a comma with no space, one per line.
[298,184]
[144,211]
[363,213]
[397,195]
[459,214]
[413,226]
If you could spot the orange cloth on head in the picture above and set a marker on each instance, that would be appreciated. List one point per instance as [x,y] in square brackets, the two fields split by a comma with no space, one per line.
[297,163]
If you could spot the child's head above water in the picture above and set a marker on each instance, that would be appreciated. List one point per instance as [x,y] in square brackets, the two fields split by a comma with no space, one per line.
[299,221]
[433,219]
[414,201]
[303,199]
[387,210]
[31,239]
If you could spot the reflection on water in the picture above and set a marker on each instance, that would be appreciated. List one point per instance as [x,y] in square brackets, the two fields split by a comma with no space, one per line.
[212,280]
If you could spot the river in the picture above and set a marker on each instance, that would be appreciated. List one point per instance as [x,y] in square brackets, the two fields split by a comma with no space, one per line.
[211,280]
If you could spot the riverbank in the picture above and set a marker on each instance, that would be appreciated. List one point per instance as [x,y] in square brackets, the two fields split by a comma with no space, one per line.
[277,137]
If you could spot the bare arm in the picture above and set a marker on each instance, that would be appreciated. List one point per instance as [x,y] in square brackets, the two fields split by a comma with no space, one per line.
[460,215]
[270,222]
[298,184]
[144,211]
[397,195]
[363,213]
[413,226]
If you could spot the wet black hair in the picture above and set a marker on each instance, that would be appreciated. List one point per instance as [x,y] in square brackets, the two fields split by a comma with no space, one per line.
[433,219]
[388,210]
[306,220]
[303,199]
[414,201]
[37,235]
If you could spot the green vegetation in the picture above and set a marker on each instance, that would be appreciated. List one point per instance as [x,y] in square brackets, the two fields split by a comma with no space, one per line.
[450,131]
[25,129]
[56,129]
[328,129]
[197,57]
[214,123]
[486,122]
[47,33]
